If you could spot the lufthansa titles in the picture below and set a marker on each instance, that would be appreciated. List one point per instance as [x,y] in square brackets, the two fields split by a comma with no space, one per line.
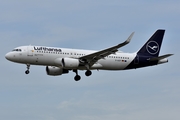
[48,49]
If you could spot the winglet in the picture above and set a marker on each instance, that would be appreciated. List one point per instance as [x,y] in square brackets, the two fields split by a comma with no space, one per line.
[129,38]
[127,41]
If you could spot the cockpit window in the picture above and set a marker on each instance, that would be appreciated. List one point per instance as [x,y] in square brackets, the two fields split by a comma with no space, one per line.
[19,50]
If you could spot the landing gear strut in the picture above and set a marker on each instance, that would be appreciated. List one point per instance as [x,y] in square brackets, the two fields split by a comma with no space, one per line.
[27,71]
[77,77]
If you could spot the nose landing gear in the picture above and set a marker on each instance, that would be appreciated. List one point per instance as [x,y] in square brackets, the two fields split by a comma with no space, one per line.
[27,71]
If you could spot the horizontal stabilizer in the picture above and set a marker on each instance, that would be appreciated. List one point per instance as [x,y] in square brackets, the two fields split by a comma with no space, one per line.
[160,57]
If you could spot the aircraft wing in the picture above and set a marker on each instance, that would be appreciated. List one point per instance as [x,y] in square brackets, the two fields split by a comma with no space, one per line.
[90,59]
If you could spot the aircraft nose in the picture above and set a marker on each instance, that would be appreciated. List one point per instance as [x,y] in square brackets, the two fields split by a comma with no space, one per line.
[8,56]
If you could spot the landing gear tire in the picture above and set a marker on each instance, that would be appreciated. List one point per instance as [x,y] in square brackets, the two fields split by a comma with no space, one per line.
[27,71]
[88,73]
[77,78]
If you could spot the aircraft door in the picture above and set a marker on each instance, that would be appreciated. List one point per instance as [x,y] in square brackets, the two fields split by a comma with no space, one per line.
[30,51]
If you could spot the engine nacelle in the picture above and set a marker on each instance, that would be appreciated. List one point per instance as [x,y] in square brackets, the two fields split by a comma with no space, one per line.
[70,63]
[54,71]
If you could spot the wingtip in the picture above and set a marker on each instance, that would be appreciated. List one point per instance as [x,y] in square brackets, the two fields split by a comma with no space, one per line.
[130,37]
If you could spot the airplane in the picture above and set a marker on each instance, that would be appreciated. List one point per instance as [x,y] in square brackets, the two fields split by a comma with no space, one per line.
[60,61]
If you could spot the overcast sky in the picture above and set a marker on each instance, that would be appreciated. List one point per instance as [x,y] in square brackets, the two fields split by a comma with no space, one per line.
[151,93]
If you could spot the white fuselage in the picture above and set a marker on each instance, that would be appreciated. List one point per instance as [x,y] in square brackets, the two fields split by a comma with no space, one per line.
[50,56]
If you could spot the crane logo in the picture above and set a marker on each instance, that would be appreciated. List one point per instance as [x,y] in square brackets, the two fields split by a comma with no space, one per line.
[152,47]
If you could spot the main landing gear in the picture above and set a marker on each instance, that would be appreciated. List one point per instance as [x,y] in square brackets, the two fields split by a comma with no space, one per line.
[78,77]
[88,73]
[27,71]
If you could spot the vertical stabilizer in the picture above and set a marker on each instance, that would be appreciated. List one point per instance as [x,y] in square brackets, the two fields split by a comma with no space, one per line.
[153,45]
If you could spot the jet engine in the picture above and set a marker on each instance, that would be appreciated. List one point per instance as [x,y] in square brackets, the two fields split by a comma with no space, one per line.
[70,63]
[54,71]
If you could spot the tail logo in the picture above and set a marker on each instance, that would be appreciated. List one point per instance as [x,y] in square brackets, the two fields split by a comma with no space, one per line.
[152,47]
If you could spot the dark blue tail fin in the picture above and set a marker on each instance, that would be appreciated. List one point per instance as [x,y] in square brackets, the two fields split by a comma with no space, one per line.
[153,45]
